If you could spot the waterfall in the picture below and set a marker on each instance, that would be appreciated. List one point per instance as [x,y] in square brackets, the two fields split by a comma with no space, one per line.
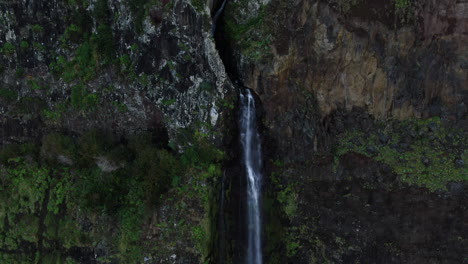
[216,17]
[250,141]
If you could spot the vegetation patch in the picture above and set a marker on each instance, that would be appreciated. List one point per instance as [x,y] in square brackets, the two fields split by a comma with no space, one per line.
[8,49]
[8,94]
[252,36]
[425,153]
[50,206]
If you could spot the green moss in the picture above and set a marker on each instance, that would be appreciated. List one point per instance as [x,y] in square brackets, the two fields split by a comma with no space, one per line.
[38,46]
[82,193]
[81,99]
[404,10]
[428,160]
[8,94]
[344,6]
[101,12]
[288,200]
[105,43]
[168,102]
[30,106]
[138,9]
[37,28]
[252,37]
[34,84]
[12,151]
[55,114]
[94,143]
[82,67]
[199,5]
[24,44]
[55,145]
[8,49]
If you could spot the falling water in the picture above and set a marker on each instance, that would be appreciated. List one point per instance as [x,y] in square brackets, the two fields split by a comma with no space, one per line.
[216,18]
[250,141]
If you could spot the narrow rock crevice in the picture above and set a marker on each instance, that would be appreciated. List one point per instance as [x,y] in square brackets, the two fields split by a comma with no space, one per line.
[233,225]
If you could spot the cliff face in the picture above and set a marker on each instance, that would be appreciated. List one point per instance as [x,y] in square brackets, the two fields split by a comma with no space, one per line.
[135,64]
[356,95]
[81,82]
[336,55]
[113,114]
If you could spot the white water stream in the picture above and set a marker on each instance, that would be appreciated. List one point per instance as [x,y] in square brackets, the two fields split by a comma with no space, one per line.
[250,141]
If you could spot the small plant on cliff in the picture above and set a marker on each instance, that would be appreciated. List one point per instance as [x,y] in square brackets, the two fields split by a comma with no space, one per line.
[8,49]
[37,28]
[7,94]
[404,10]
[199,5]
[252,36]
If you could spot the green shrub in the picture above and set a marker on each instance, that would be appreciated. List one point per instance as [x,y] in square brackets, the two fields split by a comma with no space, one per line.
[77,93]
[85,62]
[37,28]
[55,145]
[137,7]
[8,94]
[90,101]
[30,105]
[94,143]
[8,49]
[156,174]
[104,43]
[38,46]
[24,44]
[81,99]
[199,5]
[141,141]
[34,84]
[8,152]
[101,12]
[72,33]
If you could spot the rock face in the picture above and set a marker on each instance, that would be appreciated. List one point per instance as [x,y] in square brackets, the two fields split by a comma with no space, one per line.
[345,185]
[323,57]
[122,67]
[327,69]
[149,65]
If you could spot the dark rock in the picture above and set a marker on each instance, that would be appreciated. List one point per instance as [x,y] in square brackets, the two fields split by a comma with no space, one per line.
[461,110]
[433,127]
[400,150]
[156,15]
[425,161]
[372,150]
[459,163]
[383,138]
[356,141]
[366,125]
[456,188]
[435,110]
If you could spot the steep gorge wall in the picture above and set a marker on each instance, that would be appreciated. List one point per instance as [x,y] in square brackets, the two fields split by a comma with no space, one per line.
[365,116]
[322,56]
[140,64]
[139,77]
